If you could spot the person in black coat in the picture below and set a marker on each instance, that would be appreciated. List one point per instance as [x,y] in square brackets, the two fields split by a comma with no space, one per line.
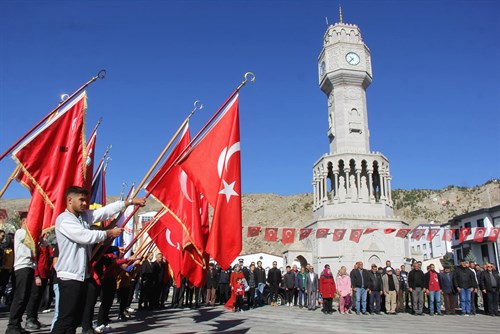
[260,277]
[274,279]
[416,284]
[490,285]
[376,289]
[465,282]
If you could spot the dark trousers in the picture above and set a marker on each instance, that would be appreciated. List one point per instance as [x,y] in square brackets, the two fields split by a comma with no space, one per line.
[289,295]
[223,293]
[273,292]
[492,301]
[450,302]
[327,305]
[37,293]
[146,291]
[238,303]
[251,297]
[22,291]
[93,291]
[108,289]
[375,301]
[71,296]
[295,296]
[473,301]
[123,295]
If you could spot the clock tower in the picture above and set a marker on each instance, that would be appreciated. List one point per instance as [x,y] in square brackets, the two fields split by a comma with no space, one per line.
[351,183]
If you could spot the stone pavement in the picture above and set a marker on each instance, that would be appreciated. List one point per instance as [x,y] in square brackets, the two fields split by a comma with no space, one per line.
[284,319]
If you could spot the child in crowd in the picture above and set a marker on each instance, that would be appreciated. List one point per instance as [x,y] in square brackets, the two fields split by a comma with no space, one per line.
[239,291]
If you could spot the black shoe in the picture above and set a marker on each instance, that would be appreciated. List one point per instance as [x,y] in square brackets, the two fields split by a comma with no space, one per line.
[32,324]
[123,317]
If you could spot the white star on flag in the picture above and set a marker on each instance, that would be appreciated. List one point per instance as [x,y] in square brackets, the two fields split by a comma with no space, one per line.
[228,190]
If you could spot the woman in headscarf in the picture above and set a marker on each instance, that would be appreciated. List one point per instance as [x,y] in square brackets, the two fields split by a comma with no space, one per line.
[344,290]
[327,289]
[232,284]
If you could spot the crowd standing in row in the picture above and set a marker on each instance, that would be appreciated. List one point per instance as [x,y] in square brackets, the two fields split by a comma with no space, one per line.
[64,269]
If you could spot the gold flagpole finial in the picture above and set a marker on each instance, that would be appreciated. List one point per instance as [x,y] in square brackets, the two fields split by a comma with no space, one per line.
[340,11]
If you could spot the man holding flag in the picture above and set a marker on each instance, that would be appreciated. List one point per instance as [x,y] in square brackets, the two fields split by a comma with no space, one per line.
[75,239]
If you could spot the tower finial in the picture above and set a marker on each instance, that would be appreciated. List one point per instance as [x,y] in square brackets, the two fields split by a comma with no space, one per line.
[340,11]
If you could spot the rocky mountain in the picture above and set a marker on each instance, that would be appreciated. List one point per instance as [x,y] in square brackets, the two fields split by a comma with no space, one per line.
[270,210]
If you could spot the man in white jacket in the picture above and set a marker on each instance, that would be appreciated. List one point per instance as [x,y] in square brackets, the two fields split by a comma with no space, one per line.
[75,240]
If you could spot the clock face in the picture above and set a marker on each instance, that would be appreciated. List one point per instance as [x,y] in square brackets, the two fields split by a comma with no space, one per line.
[352,58]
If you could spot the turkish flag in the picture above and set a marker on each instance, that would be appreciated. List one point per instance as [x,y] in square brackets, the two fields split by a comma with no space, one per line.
[338,234]
[494,234]
[479,234]
[403,232]
[464,233]
[53,160]
[321,233]
[417,234]
[253,231]
[213,164]
[356,234]
[304,233]
[389,230]
[271,234]
[167,234]
[288,235]
[370,230]
[432,233]
[448,234]
[173,188]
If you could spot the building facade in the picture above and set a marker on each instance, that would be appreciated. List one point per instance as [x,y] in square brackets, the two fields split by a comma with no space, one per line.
[484,251]
[424,249]
[351,183]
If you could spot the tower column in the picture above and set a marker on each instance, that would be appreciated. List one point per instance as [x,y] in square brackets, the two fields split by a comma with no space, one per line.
[370,185]
[389,189]
[382,185]
[325,187]
[358,181]
[315,192]
[336,184]
[347,185]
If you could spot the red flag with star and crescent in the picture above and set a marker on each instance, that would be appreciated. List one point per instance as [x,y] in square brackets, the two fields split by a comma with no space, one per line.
[389,230]
[253,231]
[403,232]
[304,233]
[322,233]
[448,234]
[356,234]
[432,233]
[287,235]
[493,236]
[417,234]
[464,233]
[479,234]
[213,164]
[370,230]
[338,234]
[271,234]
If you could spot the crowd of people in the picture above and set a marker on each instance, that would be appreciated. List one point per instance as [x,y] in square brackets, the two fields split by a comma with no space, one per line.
[62,273]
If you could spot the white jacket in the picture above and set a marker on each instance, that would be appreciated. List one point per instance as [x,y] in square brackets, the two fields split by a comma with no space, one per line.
[75,240]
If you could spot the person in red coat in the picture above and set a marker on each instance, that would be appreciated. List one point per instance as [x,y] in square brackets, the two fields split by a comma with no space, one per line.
[327,289]
[237,273]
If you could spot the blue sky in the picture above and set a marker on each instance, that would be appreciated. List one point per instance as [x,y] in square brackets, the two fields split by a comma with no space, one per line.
[433,106]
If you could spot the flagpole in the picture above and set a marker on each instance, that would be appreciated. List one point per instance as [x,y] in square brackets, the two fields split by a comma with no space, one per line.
[11,178]
[100,75]
[143,231]
[197,106]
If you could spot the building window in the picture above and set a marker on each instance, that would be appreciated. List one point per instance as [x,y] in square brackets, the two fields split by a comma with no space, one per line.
[457,234]
[425,246]
[480,223]
[485,254]
[467,225]
[425,256]
[418,248]
[459,255]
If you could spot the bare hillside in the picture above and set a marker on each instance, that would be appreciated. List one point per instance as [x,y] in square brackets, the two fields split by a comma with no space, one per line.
[271,210]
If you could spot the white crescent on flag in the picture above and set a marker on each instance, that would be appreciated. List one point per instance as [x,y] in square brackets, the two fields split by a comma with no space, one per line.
[225,155]
[183,183]
[169,240]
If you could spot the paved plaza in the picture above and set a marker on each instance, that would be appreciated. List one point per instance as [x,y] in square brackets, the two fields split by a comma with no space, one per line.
[284,319]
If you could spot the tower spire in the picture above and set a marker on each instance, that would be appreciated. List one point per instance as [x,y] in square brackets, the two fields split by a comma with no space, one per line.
[340,12]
